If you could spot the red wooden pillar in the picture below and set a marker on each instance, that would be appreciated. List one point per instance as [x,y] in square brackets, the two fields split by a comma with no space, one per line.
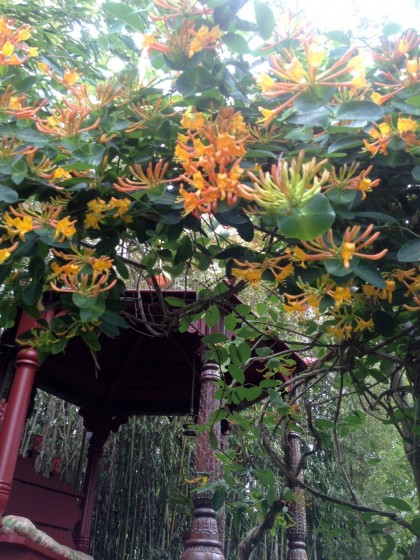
[203,542]
[14,420]
[100,425]
[296,534]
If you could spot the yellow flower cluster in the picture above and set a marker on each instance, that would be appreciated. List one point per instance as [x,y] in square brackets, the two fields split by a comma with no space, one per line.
[411,280]
[311,296]
[29,217]
[292,76]
[210,153]
[99,210]
[353,242]
[252,272]
[345,179]
[382,134]
[82,273]
[347,325]
[183,40]
[12,38]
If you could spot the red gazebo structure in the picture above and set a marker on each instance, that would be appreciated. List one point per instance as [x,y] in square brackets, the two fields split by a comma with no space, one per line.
[148,369]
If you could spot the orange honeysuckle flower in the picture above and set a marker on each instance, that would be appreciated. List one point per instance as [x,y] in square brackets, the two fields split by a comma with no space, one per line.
[70,77]
[311,296]
[65,123]
[104,95]
[411,280]
[295,77]
[64,229]
[251,275]
[176,8]
[193,120]
[184,40]
[149,114]
[405,128]
[287,185]
[354,240]
[18,226]
[152,179]
[210,154]
[12,38]
[396,49]
[30,217]
[252,271]
[71,277]
[14,104]
[120,205]
[6,252]
[346,179]
[204,38]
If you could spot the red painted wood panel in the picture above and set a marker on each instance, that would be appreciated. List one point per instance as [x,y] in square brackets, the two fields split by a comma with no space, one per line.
[13,547]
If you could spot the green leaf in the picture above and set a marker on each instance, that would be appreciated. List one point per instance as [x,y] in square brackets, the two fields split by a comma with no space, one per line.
[237,373]
[266,477]
[233,251]
[323,423]
[184,251]
[415,100]
[20,170]
[338,37]
[397,503]
[416,173]
[384,323]
[351,141]
[391,29]
[125,14]
[8,195]
[244,352]
[218,497]
[266,22]
[336,267]
[91,339]
[370,274]
[236,43]
[306,223]
[83,302]
[389,548]
[230,321]
[410,251]
[215,338]
[253,393]
[174,301]
[415,526]
[359,111]
[31,293]
[212,316]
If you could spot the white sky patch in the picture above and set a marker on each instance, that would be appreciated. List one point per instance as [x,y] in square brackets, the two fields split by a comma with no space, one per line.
[356,15]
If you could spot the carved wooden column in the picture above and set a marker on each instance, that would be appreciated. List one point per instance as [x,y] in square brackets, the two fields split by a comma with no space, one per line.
[203,542]
[14,420]
[296,535]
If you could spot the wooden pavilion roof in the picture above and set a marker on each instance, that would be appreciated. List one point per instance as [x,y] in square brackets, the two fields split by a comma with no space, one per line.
[139,372]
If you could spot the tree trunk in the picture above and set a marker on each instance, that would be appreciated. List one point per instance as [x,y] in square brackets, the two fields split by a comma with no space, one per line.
[409,428]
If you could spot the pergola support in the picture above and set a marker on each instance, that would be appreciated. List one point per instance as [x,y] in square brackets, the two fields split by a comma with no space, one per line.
[14,420]
[203,542]
[296,534]
[101,426]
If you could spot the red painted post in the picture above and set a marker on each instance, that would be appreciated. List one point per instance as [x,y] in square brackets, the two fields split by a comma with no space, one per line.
[203,542]
[296,534]
[14,420]
[82,538]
